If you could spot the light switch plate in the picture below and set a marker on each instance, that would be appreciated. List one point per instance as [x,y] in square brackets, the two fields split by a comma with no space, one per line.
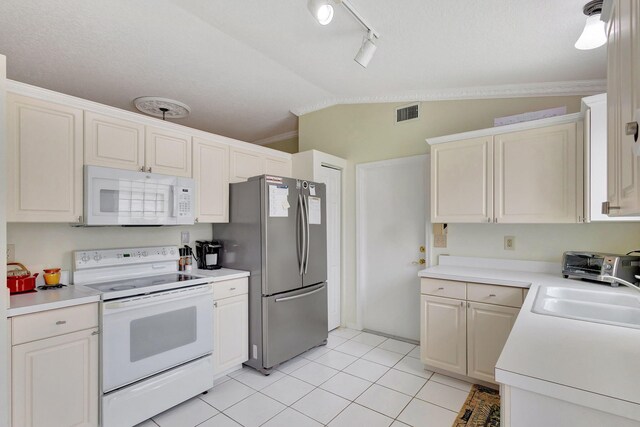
[11,253]
[184,237]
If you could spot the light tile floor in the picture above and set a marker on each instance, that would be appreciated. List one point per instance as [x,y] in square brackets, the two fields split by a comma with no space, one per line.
[357,379]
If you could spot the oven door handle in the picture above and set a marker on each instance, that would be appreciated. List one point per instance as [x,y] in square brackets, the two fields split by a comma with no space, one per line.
[153,299]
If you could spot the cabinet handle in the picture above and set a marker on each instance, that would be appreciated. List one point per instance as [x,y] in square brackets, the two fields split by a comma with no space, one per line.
[495,220]
[492,295]
[461,303]
[441,289]
[95,332]
[488,219]
[606,208]
[196,220]
[149,170]
[61,322]
[631,129]
[141,168]
[215,303]
[80,219]
[232,289]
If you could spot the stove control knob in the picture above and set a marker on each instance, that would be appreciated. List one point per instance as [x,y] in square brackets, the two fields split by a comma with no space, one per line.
[164,251]
[144,253]
[172,252]
[608,266]
[85,258]
[97,258]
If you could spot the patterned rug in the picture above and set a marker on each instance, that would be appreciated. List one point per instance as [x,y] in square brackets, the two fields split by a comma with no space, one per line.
[482,409]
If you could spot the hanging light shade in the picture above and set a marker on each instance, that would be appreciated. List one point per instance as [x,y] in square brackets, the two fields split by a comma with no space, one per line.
[321,10]
[593,35]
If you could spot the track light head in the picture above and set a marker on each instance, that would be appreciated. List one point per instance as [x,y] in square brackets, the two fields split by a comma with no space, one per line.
[321,10]
[368,48]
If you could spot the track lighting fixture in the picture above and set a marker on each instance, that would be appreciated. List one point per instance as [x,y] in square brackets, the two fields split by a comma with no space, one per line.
[593,35]
[368,48]
[321,10]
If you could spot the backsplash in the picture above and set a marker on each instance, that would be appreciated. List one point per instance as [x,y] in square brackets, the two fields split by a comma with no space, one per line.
[39,246]
[538,242]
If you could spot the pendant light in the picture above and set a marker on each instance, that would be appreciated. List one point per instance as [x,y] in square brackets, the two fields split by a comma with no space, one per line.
[593,35]
[322,10]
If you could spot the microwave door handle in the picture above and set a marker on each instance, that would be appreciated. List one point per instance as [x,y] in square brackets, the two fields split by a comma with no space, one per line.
[174,202]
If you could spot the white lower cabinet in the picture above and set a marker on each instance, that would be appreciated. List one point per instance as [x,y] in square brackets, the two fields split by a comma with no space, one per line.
[443,333]
[54,381]
[465,336]
[488,328]
[230,326]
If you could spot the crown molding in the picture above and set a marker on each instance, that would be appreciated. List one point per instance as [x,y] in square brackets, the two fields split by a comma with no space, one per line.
[277,138]
[570,88]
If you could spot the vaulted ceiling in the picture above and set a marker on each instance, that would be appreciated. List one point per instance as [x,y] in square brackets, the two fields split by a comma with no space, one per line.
[245,67]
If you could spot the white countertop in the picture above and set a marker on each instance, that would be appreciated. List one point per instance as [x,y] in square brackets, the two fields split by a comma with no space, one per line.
[589,364]
[50,299]
[221,274]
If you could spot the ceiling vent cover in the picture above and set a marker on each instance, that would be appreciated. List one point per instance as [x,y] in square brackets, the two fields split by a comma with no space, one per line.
[162,107]
[409,112]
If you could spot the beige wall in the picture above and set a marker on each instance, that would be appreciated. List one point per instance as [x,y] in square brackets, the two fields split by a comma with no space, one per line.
[286,145]
[367,132]
[41,246]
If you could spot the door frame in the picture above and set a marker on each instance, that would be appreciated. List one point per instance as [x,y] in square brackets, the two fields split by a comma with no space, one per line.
[360,211]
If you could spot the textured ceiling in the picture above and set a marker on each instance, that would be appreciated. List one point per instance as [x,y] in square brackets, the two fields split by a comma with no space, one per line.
[242,66]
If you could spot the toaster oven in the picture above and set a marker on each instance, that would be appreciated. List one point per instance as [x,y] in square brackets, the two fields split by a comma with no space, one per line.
[600,267]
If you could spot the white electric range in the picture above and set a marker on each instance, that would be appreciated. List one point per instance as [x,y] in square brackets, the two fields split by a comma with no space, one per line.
[156,330]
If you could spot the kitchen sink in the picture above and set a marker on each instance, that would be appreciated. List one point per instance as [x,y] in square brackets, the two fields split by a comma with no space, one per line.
[613,308]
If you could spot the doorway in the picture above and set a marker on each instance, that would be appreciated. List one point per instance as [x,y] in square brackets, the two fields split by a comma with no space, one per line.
[392,222]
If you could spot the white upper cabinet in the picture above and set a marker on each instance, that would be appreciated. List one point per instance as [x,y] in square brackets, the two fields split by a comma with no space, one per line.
[277,166]
[167,152]
[244,164]
[528,172]
[623,106]
[536,179]
[113,142]
[211,173]
[462,181]
[44,161]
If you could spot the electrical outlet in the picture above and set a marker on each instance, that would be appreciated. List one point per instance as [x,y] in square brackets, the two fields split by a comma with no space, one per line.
[509,243]
[184,237]
[11,253]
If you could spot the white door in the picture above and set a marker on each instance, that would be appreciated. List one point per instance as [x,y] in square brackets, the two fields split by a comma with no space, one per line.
[443,333]
[55,381]
[230,332]
[391,221]
[333,179]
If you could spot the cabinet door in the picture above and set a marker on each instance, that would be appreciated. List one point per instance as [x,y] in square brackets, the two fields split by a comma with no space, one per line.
[230,332]
[244,164]
[167,152]
[277,166]
[462,181]
[536,175]
[623,105]
[55,381]
[44,161]
[443,333]
[488,327]
[211,173]
[112,142]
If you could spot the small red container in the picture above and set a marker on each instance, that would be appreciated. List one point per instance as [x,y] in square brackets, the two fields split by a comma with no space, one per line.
[20,280]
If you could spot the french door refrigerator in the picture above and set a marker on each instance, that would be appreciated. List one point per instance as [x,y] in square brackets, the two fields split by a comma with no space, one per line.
[277,231]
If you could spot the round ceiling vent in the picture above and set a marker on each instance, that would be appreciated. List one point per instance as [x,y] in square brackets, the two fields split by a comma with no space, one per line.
[162,107]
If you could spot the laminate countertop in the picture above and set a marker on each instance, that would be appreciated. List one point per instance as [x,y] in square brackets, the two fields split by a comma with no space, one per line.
[589,364]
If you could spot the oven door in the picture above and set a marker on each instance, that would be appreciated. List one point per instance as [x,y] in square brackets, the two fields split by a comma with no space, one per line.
[147,334]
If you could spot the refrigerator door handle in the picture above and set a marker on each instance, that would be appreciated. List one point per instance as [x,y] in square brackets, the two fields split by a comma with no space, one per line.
[300,227]
[300,296]
[308,235]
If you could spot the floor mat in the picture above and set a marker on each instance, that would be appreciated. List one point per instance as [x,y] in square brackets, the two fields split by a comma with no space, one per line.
[482,409]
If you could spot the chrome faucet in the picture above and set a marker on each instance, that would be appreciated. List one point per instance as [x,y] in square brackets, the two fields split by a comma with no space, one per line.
[613,279]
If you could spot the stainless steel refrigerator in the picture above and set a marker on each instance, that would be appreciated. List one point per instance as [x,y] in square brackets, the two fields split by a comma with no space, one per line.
[277,231]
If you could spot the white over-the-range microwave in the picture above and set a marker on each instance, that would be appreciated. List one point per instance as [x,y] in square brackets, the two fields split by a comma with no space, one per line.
[123,197]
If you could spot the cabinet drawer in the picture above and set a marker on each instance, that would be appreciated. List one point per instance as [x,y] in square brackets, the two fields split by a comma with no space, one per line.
[36,326]
[230,288]
[490,294]
[444,288]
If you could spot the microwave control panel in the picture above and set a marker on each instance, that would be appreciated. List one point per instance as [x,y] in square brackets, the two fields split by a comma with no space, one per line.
[184,202]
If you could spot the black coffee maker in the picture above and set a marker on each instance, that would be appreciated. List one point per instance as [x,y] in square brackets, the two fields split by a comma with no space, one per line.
[208,254]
